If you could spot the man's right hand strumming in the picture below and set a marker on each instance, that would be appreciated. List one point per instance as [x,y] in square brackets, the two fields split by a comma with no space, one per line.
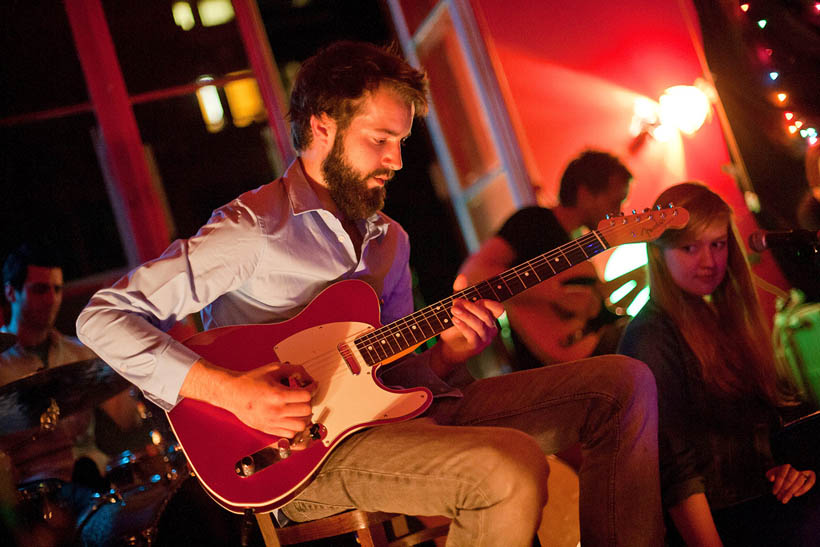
[274,398]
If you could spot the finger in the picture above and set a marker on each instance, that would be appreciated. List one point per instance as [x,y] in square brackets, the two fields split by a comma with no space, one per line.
[792,480]
[808,484]
[467,310]
[460,282]
[779,477]
[474,329]
[802,485]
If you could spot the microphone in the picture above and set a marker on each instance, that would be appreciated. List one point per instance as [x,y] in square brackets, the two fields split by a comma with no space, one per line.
[762,239]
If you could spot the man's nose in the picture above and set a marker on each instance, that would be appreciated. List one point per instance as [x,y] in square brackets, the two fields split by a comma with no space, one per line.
[392,159]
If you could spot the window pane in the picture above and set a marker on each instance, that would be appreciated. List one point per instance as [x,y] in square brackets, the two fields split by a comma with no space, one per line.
[39,68]
[156,52]
[199,170]
[53,188]
[462,119]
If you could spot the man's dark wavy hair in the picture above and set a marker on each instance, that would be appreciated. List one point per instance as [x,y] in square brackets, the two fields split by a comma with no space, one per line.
[15,267]
[335,79]
[592,169]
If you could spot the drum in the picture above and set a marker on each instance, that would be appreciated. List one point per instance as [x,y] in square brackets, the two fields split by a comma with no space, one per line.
[159,463]
[126,518]
[168,514]
[48,511]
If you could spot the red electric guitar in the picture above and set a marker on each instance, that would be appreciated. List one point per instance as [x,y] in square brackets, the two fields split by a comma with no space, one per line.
[339,341]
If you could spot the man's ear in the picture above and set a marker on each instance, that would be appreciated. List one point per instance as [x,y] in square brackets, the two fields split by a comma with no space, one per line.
[8,291]
[323,130]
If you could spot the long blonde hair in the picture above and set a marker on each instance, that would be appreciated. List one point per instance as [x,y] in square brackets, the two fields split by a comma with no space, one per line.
[729,334]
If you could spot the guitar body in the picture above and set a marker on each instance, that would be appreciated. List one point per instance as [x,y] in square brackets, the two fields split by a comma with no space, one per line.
[346,401]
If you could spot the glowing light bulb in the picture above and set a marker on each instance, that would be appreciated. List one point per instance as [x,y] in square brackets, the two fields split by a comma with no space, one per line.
[685,107]
[762,23]
[792,129]
[782,97]
[798,124]
[774,75]
[812,140]
[789,115]
[744,7]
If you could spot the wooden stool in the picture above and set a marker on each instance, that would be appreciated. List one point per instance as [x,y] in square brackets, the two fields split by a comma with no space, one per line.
[369,529]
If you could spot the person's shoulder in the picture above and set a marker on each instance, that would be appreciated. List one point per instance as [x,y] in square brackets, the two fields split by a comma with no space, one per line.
[650,323]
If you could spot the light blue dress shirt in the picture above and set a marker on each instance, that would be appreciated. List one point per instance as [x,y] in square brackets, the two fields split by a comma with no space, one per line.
[260,259]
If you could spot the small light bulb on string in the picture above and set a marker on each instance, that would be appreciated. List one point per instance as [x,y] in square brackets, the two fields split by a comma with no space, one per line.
[774,75]
[812,141]
[798,124]
[762,23]
[782,97]
[744,7]
[789,115]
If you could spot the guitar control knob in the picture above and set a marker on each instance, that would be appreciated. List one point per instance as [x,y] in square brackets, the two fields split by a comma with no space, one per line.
[283,447]
[317,431]
[246,467]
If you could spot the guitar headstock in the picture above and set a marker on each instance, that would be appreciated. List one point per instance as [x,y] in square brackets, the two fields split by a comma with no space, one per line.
[642,227]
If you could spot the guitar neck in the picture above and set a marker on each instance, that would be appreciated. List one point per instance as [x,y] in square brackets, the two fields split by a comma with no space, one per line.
[385,342]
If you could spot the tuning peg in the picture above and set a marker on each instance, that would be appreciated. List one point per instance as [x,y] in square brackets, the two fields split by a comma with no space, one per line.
[634,212]
[658,207]
[670,205]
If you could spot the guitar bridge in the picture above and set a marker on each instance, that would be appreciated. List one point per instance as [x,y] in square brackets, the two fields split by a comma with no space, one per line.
[278,451]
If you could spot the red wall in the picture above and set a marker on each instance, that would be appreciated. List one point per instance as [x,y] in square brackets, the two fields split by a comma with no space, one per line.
[571,72]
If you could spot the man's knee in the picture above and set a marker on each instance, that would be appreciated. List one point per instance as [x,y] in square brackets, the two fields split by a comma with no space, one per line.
[514,467]
[626,379]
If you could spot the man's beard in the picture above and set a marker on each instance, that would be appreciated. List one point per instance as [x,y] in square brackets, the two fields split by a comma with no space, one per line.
[348,188]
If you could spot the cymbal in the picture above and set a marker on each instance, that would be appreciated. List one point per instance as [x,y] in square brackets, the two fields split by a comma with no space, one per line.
[6,341]
[74,387]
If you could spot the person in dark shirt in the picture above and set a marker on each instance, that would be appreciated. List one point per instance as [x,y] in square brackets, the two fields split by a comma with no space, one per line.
[562,319]
[704,335]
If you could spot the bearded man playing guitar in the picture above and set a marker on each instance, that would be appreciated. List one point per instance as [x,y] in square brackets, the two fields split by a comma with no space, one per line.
[274,402]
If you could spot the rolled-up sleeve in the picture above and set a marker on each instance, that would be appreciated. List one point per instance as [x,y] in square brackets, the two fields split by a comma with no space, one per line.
[125,324]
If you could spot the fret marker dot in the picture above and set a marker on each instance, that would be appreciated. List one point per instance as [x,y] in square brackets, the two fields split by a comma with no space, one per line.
[446,320]
[383,342]
[369,347]
[397,335]
[498,286]
[413,327]
[526,274]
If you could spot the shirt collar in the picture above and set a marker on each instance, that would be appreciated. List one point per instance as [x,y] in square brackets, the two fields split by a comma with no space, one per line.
[303,199]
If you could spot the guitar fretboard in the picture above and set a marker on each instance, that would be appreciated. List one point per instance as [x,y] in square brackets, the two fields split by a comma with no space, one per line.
[385,342]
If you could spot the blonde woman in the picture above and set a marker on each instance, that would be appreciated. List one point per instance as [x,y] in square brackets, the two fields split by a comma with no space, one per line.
[705,338]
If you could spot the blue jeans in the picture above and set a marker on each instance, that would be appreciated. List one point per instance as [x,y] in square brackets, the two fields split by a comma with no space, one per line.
[480,459]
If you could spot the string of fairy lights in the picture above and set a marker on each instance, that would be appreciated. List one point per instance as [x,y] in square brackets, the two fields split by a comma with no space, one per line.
[795,123]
